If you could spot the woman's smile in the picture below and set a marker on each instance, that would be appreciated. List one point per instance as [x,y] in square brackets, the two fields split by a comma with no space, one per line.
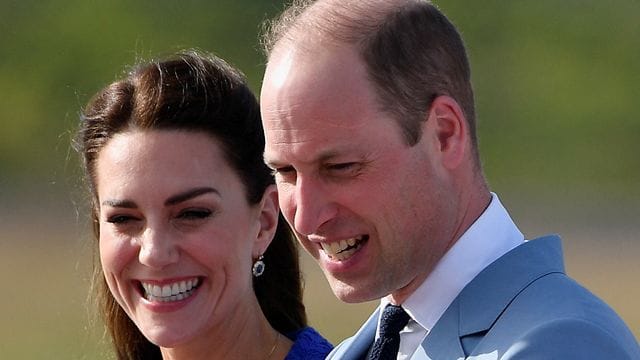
[169,291]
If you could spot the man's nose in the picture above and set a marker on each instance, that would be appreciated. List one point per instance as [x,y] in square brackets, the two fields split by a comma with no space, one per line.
[157,248]
[313,205]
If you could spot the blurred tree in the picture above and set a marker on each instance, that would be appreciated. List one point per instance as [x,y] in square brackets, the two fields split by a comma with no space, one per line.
[56,54]
[556,82]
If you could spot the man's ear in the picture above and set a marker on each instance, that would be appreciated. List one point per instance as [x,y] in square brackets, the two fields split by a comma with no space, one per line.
[267,221]
[448,129]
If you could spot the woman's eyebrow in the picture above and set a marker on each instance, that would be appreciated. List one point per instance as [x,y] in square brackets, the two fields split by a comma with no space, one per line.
[175,199]
[120,204]
[189,194]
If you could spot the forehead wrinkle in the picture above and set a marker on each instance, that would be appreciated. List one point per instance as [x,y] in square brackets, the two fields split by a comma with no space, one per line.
[289,135]
[306,150]
[305,123]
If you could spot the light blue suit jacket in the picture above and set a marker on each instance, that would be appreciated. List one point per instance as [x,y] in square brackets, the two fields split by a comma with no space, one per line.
[522,306]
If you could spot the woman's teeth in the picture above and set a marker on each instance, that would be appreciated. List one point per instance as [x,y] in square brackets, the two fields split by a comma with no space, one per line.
[170,292]
[343,249]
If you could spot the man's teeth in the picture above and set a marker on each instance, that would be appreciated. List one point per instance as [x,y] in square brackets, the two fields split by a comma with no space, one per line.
[341,250]
[170,292]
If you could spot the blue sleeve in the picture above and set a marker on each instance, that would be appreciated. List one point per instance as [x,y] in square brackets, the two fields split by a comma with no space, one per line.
[308,345]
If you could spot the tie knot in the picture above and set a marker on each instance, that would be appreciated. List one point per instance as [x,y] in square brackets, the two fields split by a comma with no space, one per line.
[394,319]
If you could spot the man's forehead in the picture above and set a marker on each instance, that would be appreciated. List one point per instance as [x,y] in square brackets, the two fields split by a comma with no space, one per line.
[322,65]
[279,67]
[306,136]
[302,146]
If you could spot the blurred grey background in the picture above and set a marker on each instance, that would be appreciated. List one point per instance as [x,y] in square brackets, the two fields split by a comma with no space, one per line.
[557,86]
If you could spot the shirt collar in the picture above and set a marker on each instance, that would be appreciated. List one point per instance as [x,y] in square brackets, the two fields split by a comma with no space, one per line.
[492,235]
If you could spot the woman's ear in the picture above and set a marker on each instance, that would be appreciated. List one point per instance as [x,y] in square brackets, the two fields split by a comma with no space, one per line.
[267,219]
[448,127]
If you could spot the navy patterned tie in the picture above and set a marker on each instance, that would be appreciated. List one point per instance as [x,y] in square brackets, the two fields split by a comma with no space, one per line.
[393,319]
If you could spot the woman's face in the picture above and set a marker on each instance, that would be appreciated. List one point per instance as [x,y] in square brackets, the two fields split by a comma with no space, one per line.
[177,235]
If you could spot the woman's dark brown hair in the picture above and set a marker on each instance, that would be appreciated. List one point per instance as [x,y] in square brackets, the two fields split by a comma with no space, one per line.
[199,93]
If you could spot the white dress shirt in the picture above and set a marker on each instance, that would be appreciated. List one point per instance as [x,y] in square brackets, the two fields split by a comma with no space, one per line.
[492,235]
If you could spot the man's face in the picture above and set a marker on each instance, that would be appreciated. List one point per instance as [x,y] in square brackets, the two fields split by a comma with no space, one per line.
[375,213]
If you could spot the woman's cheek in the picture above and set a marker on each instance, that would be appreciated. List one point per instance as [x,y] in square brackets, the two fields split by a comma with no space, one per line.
[116,253]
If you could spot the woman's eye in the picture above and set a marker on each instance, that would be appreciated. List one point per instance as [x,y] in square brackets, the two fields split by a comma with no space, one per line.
[120,219]
[194,214]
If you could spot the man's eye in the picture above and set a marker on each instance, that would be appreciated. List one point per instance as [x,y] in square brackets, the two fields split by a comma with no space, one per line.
[344,169]
[283,170]
[342,166]
[285,174]
[195,214]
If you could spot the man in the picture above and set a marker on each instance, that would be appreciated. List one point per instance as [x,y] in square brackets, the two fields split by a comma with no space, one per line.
[370,128]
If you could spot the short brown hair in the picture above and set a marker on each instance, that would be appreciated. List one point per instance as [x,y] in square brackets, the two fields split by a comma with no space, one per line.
[412,52]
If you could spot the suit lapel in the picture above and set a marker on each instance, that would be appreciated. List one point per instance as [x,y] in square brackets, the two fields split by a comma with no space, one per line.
[356,347]
[443,341]
[481,302]
[485,298]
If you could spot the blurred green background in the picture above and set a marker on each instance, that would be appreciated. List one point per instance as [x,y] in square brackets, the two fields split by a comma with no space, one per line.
[557,86]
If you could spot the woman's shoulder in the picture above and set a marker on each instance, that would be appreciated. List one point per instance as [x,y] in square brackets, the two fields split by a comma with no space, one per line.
[308,344]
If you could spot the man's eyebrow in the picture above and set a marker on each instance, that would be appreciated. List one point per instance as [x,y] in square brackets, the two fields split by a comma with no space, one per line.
[320,158]
[189,194]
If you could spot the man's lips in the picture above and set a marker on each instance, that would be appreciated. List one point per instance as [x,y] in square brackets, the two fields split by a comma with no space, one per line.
[345,248]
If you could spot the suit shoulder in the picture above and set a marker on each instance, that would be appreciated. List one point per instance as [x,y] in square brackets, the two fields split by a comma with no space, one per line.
[555,316]
[572,339]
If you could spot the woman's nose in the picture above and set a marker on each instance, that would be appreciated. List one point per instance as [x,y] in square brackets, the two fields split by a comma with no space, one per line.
[157,248]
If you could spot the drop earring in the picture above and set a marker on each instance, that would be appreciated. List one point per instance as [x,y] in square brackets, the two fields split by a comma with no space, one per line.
[258,267]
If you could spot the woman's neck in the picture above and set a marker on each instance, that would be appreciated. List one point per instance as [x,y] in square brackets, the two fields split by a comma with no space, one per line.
[243,334]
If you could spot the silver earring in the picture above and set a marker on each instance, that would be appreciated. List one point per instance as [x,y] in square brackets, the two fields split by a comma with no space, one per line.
[258,267]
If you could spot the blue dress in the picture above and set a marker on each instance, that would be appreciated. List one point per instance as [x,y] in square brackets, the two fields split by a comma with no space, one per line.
[308,345]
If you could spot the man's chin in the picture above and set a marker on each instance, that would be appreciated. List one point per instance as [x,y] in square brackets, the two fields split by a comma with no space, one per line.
[353,293]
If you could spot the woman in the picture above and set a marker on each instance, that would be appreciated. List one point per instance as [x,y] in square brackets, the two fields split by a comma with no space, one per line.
[196,261]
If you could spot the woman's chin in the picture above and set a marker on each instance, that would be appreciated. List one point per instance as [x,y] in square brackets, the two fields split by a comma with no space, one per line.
[166,338]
